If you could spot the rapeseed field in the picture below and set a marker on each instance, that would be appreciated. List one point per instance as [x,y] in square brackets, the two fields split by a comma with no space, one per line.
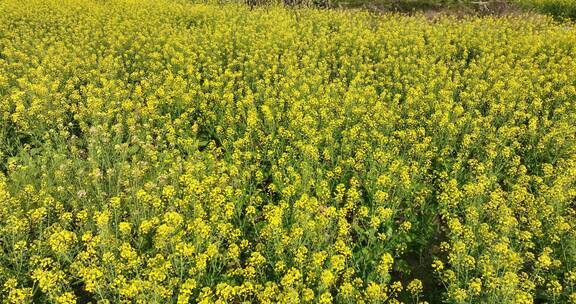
[170,152]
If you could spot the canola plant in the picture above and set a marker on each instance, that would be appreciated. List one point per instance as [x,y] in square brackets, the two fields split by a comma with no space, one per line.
[171,152]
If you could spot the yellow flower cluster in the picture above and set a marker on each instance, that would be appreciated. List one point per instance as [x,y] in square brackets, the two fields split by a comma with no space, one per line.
[160,151]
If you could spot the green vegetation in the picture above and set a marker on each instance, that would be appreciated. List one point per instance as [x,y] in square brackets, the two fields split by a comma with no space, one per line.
[561,9]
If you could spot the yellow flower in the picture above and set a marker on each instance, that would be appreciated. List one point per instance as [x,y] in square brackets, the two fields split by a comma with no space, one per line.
[125,228]
[386,261]
[292,277]
[415,287]
[325,298]
[66,298]
[308,295]
[544,259]
[115,202]
[61,241]
[437,265]
[327,278]
[374,293]
[459,295]
[475,286]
